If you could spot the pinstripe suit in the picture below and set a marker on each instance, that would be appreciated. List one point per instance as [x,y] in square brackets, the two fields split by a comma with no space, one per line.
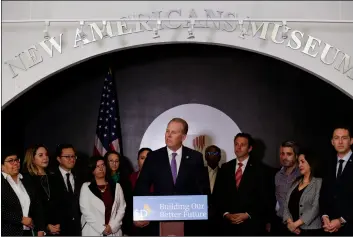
[308,205]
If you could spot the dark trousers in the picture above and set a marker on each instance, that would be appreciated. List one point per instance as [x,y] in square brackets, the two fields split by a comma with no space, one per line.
[317,232]
[71,228]
[278,228]
[27,233]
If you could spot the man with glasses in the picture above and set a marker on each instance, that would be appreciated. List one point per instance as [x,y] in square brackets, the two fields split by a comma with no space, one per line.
[213,157]
[21,213]
[65,206]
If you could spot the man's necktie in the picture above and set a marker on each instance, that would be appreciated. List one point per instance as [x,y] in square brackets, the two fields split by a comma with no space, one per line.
[340,168]
[174,167]
[238,174]
[69,187]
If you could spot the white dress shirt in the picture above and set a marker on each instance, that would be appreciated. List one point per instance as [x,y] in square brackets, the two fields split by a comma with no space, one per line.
[177,157]
[212,174]
[21,193]
[345,158]
[244,162]
[72,181]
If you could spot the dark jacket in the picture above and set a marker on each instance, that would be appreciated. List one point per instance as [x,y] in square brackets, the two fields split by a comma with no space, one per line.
[11,210]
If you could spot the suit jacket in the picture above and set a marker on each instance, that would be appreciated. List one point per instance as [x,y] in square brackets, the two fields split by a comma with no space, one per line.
[250,197]
[337,195]
[156,171]
[93,209]
[64,207]
[191,179]
[308,205]
[11,210]
[214,220]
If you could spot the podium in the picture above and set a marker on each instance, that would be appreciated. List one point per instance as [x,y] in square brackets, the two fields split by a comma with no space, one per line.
[171,228]
[170,211]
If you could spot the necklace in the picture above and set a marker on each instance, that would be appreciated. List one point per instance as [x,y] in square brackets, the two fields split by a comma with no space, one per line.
[47,188]
[103,190]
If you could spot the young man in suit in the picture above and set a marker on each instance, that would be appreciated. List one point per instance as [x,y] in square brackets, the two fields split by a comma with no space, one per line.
[21,212]
[337,188]
[65,208]
[242,197]
[174,170]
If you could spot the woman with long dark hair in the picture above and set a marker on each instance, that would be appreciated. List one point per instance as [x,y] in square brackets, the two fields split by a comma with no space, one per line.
[118,171]
[102,202]
[301,209]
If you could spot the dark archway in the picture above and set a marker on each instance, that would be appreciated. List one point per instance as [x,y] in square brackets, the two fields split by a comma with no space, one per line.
[266,97]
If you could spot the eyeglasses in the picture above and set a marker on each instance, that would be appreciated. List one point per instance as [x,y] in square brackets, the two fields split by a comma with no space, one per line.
[13,161]
[212,153]
[100,166]
[70,157]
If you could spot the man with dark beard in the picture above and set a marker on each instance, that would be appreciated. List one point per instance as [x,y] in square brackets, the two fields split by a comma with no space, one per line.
[283,180]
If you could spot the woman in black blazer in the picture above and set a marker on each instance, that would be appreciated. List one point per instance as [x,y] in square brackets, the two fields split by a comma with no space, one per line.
[301,209]
[35,168]
[21,213]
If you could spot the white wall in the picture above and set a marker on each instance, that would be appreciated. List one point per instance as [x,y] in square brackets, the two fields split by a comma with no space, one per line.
[18,37]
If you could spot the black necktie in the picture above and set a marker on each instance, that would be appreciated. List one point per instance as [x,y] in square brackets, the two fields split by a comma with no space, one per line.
[339,173]
[69,187]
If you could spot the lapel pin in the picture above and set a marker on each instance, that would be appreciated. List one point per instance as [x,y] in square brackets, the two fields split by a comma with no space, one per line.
[187,157]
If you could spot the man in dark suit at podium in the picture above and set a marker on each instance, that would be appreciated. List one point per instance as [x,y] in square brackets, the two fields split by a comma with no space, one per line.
[174,170]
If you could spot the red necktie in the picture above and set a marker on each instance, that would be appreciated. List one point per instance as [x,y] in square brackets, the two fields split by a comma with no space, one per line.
[238,175]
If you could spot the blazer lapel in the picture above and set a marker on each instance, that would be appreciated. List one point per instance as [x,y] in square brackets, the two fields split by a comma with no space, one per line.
[98,201]
[183,166]
[168,169]
[77,185]
[94,189]
[309,187]
[28,188]
[246,175]
[61,180]
[232,171]
[11,192]
[348,168]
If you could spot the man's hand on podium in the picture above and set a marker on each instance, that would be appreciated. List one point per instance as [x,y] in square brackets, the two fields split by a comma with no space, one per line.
[141,224]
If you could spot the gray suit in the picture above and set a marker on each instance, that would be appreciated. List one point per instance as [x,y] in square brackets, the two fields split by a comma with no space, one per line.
[308,205]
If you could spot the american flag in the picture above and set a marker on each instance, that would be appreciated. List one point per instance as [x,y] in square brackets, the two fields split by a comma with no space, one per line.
[107,131]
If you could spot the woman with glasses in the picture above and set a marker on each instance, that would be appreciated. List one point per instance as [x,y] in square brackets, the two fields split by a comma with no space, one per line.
[118,171]
[141,156]
[301,209]
[21,211]
[101,202]
[35,167]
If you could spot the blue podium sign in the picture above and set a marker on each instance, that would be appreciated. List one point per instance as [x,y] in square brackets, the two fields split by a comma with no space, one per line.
[170,208]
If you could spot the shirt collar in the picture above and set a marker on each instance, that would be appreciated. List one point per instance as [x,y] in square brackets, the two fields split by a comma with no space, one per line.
[244,162]
[295,170]
[7,175]
[210,170]
[346,157]
[170,152]
[63,172]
